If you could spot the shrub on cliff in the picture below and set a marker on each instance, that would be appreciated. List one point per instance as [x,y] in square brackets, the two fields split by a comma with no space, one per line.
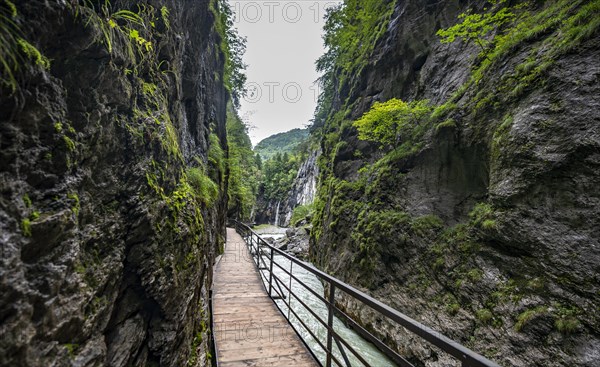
[393,122]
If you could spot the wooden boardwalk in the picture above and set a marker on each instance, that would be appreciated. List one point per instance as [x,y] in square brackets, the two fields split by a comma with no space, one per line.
[249,330]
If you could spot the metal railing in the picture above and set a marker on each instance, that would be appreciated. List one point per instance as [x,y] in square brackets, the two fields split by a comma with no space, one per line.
[263,255]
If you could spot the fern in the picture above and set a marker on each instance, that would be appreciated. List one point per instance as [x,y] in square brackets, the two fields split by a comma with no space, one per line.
[129,27]
[164,12]
[15,50]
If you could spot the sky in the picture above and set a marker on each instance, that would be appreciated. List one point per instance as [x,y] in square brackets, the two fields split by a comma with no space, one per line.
[284,39]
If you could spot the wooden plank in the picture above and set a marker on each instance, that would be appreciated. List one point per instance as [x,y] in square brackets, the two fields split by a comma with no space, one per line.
[259,352]
[249,329]
[225,296]
[282,361]
[253,309]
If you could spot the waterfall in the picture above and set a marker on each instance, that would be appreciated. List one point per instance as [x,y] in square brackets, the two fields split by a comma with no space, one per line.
[277,213]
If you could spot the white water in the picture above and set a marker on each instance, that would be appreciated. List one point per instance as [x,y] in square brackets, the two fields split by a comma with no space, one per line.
[363,347]
[277,214]
[268,230]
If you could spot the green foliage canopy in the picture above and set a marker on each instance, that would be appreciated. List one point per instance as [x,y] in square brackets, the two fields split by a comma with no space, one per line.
[244,171]
[390,122]
[278,175]
[350,33]
[477,26]
[233,47]
[281,143]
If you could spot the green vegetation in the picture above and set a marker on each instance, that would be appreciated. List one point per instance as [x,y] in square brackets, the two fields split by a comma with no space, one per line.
[552,30]
[132,31]
[71,348]
[392,122]
[483,216]
[281,143]
[16,53]
[484,315]
[27,201]
[300,213]
[76,205]
[244,168]
[279,173]
[205,189]
[233,47]
[193,360]
[26,227]
[567,325]
[452,305]
[69,143]
[351,31]
[358,213]
[58,127]
[566,321]
[423,225]
[284,153]
[527,316]
[373,230]
[476,27]
[33,53]
[199,337]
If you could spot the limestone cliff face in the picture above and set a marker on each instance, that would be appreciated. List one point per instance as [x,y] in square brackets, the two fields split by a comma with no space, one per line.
[304,188]
[302,192]
[106,251]
[489,231]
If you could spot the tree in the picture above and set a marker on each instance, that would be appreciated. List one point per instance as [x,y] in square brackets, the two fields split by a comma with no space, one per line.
[476,27]
[243,167]
[390,122]
[233,47]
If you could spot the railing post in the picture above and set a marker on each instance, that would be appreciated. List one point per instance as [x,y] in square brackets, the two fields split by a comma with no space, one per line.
[330,324]
[271,273]
[258,254]
[290,291]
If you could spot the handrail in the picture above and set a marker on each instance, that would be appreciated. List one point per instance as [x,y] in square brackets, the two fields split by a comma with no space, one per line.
[466,356]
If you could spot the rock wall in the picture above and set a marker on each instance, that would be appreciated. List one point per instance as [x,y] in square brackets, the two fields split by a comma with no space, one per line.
[106,249]
[303,190]
[488,232]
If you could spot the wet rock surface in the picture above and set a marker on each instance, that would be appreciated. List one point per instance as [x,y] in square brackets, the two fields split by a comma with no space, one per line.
[508,289]
[295,242]
[98,267]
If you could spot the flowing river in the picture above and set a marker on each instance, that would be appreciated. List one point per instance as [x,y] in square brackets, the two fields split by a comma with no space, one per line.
[367,350]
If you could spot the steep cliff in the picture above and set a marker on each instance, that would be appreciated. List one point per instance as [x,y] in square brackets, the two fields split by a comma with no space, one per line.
[303,189]
[111,179]
[288,165]
[287,184]
[482,219]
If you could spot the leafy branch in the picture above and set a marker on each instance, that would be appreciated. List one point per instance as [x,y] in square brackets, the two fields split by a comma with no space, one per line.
[477,27]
